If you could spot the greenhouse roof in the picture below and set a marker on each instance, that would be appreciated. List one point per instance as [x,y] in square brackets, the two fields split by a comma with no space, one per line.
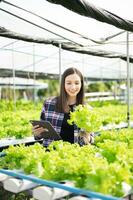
[31,32]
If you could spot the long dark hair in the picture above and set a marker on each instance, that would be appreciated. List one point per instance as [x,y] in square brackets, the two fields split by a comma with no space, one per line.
[61,105]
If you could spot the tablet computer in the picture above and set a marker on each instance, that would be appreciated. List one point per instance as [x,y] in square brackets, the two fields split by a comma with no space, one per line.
[50,132]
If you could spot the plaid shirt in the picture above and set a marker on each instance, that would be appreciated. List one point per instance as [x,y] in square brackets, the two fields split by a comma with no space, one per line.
[55,118]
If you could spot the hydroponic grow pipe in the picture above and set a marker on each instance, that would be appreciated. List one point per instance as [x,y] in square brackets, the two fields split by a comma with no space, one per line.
[58,185]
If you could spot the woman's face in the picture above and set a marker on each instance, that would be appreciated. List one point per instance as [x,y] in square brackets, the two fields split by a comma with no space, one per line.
[72,85]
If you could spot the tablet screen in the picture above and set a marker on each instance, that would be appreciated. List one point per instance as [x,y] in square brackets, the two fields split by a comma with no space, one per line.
[50,133]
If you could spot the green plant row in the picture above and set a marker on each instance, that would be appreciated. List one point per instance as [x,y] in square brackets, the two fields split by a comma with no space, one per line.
[16,123]
[104,167]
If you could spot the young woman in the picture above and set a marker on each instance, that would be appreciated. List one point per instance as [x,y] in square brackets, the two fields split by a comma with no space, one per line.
[56,110]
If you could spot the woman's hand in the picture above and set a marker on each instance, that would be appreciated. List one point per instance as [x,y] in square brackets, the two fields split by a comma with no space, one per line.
[86,138]
[38,131]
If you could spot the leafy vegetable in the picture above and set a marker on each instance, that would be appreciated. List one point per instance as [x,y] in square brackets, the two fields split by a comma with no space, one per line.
[85,118]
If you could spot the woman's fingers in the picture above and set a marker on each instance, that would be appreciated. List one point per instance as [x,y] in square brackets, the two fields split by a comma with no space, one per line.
[36,126]
[85,137]
[38,131]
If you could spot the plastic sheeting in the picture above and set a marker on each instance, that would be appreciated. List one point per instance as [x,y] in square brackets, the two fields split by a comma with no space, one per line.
[94,38]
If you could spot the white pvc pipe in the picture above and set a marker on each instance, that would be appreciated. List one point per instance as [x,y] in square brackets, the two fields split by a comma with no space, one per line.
[128,82]
[18,185]
[60,62]
[13,71]
[34,74]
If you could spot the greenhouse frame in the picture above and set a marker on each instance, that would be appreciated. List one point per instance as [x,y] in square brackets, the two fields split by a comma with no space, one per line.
[38,41]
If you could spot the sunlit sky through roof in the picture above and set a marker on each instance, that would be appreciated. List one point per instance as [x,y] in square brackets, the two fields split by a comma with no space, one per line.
[91,65]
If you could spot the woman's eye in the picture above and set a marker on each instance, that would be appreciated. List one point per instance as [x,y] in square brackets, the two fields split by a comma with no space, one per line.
[69,83]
